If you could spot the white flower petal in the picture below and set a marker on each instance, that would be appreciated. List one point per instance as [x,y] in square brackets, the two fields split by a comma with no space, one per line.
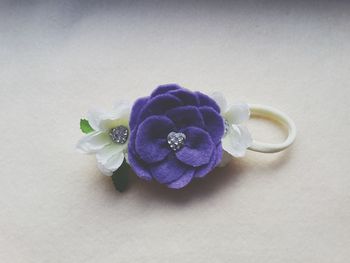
[112,164]
[94,118]
[101,120]
[237,113]
[104,170]
[237,140]
[110,122]
[246,138]
[122,108]
[109,151]
[220,100]
[93,142]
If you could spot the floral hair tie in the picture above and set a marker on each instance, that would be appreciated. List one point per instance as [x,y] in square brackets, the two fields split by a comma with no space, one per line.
[174,136]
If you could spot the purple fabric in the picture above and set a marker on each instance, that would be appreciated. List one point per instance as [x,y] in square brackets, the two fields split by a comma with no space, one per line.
[169,170]
[198,147]
[214,161]
[135,112]
[183,181]
[212,120]
[151,138]
[186,116]
[138,165]
[171,108]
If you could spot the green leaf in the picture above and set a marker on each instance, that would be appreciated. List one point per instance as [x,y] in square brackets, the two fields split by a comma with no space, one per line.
[85,126]
[121,177]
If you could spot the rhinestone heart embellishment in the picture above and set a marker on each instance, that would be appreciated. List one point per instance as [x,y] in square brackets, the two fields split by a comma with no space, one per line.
[119,134]
[176,140]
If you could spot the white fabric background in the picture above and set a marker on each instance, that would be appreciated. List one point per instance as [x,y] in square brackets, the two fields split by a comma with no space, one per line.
[58,59]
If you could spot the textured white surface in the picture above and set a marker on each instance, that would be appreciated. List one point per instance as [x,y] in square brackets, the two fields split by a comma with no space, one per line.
[59,60]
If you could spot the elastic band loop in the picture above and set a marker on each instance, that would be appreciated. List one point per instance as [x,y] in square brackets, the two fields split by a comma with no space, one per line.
[257,110]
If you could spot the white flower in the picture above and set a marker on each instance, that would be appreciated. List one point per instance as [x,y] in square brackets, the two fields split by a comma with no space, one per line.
[110,152]
[237,138]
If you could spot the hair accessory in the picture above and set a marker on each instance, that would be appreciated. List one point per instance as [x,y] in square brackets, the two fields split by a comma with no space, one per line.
[174,136]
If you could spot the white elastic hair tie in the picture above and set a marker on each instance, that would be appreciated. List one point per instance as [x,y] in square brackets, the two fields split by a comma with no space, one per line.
[271,113]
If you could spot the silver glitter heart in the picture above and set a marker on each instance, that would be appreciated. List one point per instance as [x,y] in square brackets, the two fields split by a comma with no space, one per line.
[119,134]
[176,140]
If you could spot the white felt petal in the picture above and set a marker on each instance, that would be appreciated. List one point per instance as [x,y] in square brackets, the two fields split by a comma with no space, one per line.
[93,142]
[237,113]
[113,163]
[237,140]
[220,100]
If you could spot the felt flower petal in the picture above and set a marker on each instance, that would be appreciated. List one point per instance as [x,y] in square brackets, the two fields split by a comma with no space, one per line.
[237,140]
[184,180]
[187,97]
[219,153]
[93,142]
[162,89]
[198,147]
[139,167]
[151,139]
[168,170]
[214,123]
[139,104]
[148,152]
[237,113]
[215,159]
[159,105]
[205,100]
[186,116]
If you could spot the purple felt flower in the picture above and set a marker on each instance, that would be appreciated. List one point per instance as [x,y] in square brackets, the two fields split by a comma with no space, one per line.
[175,136]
